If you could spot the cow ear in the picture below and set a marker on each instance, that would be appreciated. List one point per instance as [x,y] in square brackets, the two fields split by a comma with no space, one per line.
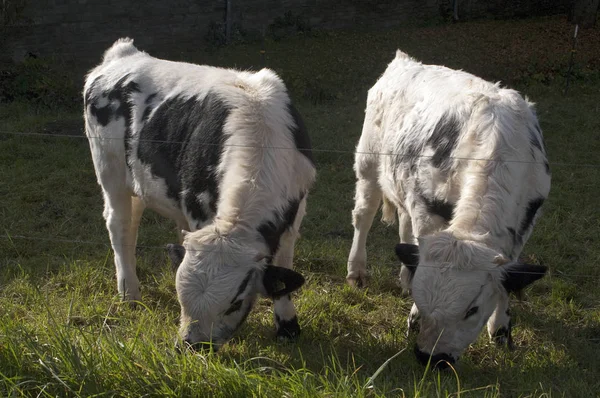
[409,256]
[520,275]
[176,254]
[279,281]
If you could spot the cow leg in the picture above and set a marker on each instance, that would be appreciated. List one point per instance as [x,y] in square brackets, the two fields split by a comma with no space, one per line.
[413,320]
[367,199]
[406,236]
[286,320]
[122,211]
[405,227]
[500,325]
[137,210]
[119,216]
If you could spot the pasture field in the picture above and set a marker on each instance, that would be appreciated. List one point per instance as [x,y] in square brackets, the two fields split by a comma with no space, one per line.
[64,333]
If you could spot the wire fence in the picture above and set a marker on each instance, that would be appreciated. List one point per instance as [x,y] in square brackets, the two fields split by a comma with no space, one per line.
[10,237]
[318,150]
[164,249]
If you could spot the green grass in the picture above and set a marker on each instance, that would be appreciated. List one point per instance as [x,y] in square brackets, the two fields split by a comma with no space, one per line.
[63,333]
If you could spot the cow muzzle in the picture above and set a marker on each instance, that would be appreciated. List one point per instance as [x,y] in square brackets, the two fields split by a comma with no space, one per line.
[438,361]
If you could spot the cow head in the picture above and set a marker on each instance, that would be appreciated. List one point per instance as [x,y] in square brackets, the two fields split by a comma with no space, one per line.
[217,284]
[456,285]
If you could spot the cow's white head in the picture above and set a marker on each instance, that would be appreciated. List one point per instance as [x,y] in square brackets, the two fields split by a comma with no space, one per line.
[456,285]
[217,283]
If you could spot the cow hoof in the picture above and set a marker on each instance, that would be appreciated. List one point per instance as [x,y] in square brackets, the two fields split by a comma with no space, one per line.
[131,300]
[358,282]
[288,330]
[413,326]
[502,338]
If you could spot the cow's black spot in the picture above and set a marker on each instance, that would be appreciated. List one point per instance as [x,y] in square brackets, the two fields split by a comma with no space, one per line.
[102,114]
[439,207]
[150,98]
[147,111]
[530,212]
[244,316]
[547,166]
[513,234]
[443,140]
[243,285]
[183,142]
[235,306]
[118,105]
[271,231]
[301,137]
[87,98]
[149,107]
[287,329]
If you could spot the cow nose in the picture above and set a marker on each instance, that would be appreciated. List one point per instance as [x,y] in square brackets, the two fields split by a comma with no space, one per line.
[201,346]
[438,361]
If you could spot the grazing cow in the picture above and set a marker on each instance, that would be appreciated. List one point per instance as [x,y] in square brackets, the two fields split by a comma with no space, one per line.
[463,162]
[224,154]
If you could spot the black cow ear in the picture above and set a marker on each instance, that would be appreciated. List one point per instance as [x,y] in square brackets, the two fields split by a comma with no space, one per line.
[279,281]
[520,275]
[408,254]
[176,254]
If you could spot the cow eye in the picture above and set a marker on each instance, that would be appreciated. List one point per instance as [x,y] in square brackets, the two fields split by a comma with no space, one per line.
[471,312]
[234,307]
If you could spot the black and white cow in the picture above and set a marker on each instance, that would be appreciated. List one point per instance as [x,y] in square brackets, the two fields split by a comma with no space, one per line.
[224,154]
[463,162]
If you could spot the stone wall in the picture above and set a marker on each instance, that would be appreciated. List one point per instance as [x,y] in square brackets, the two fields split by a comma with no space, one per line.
[82,29]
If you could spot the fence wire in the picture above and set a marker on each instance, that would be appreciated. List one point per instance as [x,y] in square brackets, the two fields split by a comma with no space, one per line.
[11,237]
[163,248]
[320,150]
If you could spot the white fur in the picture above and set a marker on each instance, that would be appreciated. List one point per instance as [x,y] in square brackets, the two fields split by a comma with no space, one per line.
[458,265]
[256,181]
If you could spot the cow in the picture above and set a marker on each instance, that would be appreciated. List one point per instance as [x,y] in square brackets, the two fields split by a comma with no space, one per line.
[462,163]
[224,154]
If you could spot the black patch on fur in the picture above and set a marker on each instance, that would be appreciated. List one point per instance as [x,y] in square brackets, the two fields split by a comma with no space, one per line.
[289,329]
[439,207]
[117,107]
[183,142]
[532,208]
[547,166]
[301,137]
[122,93]
[244,316]
[149,107]
[443,140]
[235,306]
[150,98]
[102,114]
[513,234]
[271,231]
[243,285]
[87,98]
